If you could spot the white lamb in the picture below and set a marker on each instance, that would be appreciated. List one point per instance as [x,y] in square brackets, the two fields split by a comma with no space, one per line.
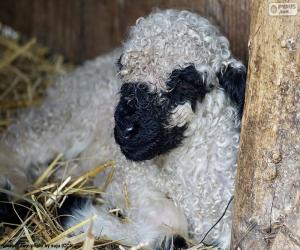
[176,123]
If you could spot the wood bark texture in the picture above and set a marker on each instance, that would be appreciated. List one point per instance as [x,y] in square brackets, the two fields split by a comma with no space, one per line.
[267,199]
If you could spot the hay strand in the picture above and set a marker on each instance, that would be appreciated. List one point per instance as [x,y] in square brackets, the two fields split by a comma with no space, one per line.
[90,239]
[57,193]
[48,170]
[18,51]
[71,230]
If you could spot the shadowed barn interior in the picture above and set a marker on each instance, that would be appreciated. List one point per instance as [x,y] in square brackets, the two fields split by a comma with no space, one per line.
[81,29]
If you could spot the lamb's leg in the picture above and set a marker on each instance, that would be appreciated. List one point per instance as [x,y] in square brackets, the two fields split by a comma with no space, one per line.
[76,209]
[168,221]
[26,150]
[12,172]
[151,220]
[35,140]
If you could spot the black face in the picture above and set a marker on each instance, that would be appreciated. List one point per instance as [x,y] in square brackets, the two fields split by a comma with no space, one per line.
[141,117]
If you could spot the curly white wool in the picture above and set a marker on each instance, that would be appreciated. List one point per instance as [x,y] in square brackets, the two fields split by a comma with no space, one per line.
[187,188]
[170,39]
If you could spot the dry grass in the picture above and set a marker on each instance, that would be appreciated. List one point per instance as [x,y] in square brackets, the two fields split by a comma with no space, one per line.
[41,227]
[26,70]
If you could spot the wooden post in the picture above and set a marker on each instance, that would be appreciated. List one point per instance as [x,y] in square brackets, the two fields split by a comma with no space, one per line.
[267,199]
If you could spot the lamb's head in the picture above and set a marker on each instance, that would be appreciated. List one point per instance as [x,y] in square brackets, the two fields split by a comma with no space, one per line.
[170,62]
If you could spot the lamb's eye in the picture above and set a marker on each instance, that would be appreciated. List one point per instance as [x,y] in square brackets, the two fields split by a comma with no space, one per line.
[125,110]
[131,103]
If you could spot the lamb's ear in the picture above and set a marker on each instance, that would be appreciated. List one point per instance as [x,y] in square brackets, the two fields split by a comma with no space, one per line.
[232,78]
[188,84]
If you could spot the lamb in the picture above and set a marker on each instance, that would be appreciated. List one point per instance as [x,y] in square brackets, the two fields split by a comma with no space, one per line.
[175,97]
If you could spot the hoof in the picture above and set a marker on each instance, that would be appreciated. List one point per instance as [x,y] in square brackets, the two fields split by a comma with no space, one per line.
[173,243]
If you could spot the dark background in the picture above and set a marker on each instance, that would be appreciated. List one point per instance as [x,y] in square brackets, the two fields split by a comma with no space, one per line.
[83,29]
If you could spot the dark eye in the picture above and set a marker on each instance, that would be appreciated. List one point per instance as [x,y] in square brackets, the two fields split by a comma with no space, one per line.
[128,104]
[131,103]
[119,64]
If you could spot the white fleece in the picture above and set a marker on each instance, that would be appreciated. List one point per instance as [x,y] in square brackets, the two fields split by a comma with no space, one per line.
[182,192]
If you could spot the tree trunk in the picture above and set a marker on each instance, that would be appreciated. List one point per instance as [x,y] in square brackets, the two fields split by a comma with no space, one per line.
[267,199]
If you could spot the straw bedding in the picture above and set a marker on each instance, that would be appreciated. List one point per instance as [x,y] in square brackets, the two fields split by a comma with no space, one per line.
[26,69]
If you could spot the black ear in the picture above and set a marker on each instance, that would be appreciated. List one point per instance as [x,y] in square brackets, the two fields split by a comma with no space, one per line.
[233,81]
[187,84]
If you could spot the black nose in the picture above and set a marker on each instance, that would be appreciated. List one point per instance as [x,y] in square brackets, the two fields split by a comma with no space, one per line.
[130,131]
